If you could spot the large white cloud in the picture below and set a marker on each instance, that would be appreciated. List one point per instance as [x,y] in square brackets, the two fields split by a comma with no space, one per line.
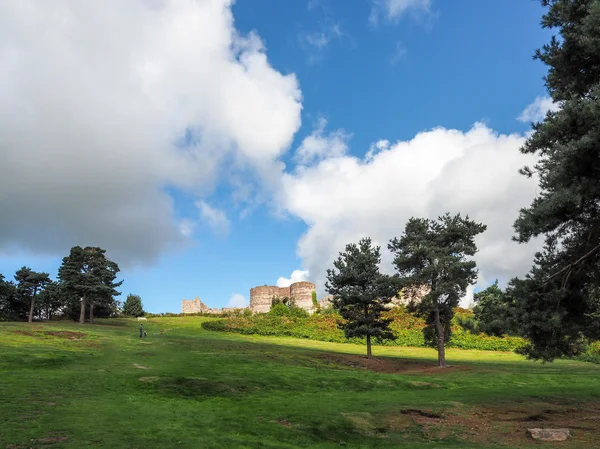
[344,198]
[94,97]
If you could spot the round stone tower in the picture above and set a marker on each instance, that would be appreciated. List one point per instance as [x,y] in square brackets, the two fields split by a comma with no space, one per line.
[261,297]
[302,294]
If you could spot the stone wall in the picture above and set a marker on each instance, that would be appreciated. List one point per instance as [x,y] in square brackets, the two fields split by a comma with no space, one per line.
[261,297]
[193,306]
[197,306]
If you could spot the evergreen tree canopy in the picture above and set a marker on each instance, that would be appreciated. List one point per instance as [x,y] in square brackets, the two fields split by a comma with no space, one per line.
[360,292]
[557,301]
[88,274]
[433,253]
[133,306]
[494,312]
[29,282]
[50,300]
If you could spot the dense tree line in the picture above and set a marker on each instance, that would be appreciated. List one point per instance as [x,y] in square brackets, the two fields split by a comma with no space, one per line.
[85,287]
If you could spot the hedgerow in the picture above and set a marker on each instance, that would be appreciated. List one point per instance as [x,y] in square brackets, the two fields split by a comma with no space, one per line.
[407,328]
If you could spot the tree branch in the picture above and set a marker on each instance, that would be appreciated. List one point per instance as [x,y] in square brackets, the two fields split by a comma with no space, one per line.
[571,265]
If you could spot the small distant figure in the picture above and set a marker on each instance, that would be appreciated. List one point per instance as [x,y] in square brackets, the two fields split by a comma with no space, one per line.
[145,334]
[141,331]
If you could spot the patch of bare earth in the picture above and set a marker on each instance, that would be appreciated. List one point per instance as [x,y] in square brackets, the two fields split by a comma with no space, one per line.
[70,335]
[283,422]
[51,440]
[389,365]
[140,366]
[504,424]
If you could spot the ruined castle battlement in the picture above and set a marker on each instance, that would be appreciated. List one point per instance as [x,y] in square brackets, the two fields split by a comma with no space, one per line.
[261,297]
[197,306]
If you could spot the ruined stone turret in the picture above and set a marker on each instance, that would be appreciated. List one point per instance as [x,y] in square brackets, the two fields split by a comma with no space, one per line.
[301,292]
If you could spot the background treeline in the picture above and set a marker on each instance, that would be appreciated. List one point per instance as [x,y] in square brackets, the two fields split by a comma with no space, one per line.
[84,289]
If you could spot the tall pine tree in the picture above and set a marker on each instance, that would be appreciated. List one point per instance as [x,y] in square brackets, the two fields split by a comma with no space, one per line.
[434,254]
[29,283]
[86,273]
[360,292]
[558,300]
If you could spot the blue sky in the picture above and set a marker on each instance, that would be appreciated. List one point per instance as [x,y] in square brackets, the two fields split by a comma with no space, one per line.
[245,219]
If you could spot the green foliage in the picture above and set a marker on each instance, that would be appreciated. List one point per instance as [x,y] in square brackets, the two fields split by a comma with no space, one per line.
[29,283]
[406,327]
[360,292]
[493,313]
[434,254]
[11,306]
[133,306]
[557,303]
[50,300]
[287,308]
[89,278]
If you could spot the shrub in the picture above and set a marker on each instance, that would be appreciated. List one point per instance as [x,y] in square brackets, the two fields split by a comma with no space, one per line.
[133,306]
[286,321]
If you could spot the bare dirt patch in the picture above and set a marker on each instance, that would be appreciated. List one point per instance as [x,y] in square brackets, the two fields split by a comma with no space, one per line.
[506,424]
[389,365]
[70,335]
[140,366]
[283,422]
[52,440]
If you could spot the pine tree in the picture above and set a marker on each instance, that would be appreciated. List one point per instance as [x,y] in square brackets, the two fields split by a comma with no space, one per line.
[433,254]
[87,273]
[360,292]
[133,306]
[29,282]
[557,301]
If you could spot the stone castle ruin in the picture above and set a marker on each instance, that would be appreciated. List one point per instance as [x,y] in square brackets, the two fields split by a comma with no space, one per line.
[197,306]
[300,292]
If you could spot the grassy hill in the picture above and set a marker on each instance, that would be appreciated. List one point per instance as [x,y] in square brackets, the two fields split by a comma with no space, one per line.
[101,386]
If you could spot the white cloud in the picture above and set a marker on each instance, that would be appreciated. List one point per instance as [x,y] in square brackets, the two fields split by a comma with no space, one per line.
[537,110]
[93,98]
[186,227]
[214,217]
[297,276]
[345,198]
[315,42]
[392,10]
[319,145]
[319,40]
[237,300]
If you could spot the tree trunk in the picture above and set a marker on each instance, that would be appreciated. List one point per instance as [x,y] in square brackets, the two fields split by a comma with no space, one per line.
[82,311]
[32,304]
[91,312]
[440,335]
[369,346]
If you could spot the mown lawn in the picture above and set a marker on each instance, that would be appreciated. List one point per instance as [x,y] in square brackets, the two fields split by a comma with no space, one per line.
[100,386]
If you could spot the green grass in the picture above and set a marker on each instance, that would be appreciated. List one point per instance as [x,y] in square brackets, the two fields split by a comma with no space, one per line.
[184,387]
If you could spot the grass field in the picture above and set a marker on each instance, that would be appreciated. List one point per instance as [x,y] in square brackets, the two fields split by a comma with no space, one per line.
[100,386]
